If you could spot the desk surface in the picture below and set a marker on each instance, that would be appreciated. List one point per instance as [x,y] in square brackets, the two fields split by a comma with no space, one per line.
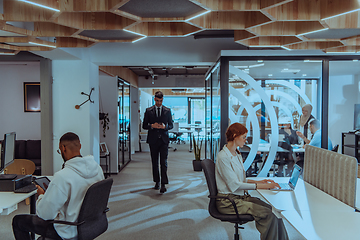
[265,147]
[316,224]
[9,199]
[304,197]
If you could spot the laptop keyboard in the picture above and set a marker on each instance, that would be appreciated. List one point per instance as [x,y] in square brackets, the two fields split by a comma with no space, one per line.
[26,189]
[285,186]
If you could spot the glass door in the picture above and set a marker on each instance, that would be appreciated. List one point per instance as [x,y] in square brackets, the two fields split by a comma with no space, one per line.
[124,124]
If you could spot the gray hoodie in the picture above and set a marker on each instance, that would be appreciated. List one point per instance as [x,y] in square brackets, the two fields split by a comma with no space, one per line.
[63,198]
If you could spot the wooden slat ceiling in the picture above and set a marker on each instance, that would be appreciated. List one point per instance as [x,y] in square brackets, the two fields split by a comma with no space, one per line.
[289,24]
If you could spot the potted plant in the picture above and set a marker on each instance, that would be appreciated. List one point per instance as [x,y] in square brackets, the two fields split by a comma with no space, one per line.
[197,152]
[104,118]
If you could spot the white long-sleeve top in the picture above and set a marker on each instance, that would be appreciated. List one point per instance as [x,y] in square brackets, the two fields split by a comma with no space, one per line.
[230,174]
[63,198]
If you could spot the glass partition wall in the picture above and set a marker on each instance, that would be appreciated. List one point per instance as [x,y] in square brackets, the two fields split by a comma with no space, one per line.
[124,123]
[267,97]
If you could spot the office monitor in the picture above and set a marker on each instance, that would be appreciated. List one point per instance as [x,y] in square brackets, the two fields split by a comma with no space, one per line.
[7,154]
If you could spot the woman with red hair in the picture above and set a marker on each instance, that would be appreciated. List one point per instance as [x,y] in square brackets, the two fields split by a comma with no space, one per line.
[231,182]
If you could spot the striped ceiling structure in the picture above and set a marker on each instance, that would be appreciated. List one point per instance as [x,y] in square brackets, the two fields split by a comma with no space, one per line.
[42,25]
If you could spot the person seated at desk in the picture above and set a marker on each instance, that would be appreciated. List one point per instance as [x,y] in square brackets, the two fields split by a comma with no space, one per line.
[63,198]
[231,181]
[316,139]
[290,136]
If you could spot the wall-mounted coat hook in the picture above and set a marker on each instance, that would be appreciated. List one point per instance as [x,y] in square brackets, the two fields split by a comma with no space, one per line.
[89,95]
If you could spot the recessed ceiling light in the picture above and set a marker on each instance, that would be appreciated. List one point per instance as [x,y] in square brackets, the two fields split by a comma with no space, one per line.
[270,75]
[285,69]
[259,61]
[304,75]
[40,5]
[241,66]
[257,65]
[355,60]
[290,70]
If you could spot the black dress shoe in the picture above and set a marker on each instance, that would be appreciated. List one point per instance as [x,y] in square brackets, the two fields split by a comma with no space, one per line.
[157,186]
[163,188]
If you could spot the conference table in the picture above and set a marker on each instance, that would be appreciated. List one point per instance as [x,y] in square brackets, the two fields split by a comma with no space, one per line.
[312,212]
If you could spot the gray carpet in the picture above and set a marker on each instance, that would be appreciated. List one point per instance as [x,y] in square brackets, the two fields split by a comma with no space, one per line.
[139,212]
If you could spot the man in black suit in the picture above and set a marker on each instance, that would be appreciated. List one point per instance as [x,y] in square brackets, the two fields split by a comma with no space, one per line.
[158,121]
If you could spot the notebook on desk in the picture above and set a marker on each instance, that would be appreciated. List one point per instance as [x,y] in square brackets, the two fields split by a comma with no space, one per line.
[290,186]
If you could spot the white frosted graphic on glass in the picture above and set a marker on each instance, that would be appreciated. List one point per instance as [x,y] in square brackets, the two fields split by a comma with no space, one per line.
[273,120]
[252,117]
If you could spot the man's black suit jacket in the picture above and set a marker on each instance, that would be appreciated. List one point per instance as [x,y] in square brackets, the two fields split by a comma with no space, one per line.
[150,118]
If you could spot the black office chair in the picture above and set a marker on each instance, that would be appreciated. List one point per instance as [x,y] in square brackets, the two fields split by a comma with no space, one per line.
[335,148]
[92,220]
[238,219]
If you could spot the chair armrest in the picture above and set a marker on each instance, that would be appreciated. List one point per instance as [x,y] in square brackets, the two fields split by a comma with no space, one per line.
[232,202]
[106,210]
[65,222]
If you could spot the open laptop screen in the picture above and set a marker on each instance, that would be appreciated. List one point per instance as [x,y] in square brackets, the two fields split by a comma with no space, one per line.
[295,175]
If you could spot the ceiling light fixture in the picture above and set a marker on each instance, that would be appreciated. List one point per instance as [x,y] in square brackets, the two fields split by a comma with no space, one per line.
[139,39]
[260,61]
[304,75]
[286,70]
[323,29]
[198,15]
[286,48]
[257,65]
[355,60]
[40,5]
[41,44]
[312,60]
[270,75]
[340,52]
[7,53]
[264,46]
[355,10]
[241,66]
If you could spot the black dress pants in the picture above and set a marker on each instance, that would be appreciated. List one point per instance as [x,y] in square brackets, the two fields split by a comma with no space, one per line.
[24,224]
[156,149]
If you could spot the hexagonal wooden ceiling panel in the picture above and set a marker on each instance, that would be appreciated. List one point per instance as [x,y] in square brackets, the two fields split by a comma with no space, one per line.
[292,24]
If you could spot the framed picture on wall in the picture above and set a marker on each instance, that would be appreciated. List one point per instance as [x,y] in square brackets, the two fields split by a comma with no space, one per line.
[31,97]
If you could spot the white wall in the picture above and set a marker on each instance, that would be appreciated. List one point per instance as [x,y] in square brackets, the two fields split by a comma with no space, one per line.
[27,125]
[145,102]
[343,94]
[109,95]
[70,79]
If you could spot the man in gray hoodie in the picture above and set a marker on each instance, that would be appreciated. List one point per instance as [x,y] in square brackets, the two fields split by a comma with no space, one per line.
[63,198]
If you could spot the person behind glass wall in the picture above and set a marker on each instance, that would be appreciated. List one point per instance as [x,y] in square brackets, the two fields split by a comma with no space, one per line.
[316,139]
[305,119]
[158,120]
[290,136]
[231,181]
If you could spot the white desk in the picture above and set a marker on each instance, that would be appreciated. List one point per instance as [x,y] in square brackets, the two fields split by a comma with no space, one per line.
[304,197]
[10,200]
[313,213]
[327,225]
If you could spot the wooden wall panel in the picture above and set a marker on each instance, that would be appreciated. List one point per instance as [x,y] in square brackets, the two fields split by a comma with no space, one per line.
[297,10]
[47,29]
[331,8]
[351,20]
[24,12]
[315,45]
[287,28]
[94,20]
[230,20]
[164,28]
[122,72]
[230,5]
[241,35]
[271,41]
[90,5]
[72,42]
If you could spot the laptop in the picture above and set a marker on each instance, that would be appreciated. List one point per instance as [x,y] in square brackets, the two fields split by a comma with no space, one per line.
[290,186]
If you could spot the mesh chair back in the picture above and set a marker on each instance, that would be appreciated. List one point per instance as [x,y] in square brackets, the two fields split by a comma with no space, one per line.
[93,210]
